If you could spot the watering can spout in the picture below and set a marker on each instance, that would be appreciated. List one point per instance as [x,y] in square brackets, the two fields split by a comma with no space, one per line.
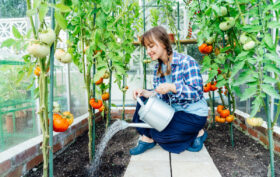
[138,125]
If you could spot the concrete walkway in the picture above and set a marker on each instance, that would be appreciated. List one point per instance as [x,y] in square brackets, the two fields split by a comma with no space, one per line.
[159,163]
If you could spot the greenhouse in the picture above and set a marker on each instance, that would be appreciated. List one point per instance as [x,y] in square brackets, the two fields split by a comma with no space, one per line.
[139,88]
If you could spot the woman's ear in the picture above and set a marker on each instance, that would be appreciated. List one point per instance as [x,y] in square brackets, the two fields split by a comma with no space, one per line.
[162,45]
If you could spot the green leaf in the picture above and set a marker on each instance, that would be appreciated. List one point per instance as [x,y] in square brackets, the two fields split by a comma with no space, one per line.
[212,74]
[20,76]
[267,8]
[276,6]
[252,28]
[43,10]
[225,49]
[242,55]
[273,24]
[206,63]
[256,106]
[101,20]
[114,105]
[31,12]
[220,60]
[272,68]
[252,84]
[16,33]
[36,93]
[63,8]
[269,80]
[220,77]
[8,42]
[272,57]
[106,6]
[36,3]
[270,90]
[60,20]
[236,90]
[101,46]
[30,85]
[236,68]
[268,41]
[248,93]
[252,61]
[221,83]
[99,74]
[243,78]
[28,34]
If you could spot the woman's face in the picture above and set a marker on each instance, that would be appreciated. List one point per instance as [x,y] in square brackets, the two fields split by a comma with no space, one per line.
[155,50]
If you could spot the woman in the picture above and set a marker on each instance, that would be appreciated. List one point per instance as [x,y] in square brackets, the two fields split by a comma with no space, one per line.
[177,79]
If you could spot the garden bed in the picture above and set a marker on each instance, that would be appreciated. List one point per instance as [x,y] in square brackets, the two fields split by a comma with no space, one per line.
[74,160]
[247,158]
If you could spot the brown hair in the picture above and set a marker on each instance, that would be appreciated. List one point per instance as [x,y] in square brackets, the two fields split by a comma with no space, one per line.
[159,34]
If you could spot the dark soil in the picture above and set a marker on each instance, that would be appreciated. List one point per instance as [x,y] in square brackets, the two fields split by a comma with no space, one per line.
[247,158]
[74,160]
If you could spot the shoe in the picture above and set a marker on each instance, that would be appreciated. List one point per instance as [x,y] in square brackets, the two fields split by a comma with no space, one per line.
[141,147]
[198,143]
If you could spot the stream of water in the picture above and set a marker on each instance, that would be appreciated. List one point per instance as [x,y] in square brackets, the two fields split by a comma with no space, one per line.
[111,131]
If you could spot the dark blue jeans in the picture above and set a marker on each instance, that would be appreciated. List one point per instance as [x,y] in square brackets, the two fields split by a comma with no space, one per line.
[178,135]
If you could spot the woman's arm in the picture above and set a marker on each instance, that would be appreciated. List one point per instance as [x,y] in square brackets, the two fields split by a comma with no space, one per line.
[142,92]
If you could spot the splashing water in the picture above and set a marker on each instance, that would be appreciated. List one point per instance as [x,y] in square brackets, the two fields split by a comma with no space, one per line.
[111,131]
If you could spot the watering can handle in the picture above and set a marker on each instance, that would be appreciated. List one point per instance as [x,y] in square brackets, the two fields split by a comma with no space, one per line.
[140,101]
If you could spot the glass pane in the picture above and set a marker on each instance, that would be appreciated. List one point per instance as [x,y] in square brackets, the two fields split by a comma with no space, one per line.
[60,86]
[78,92]
[17,106]
[12,8]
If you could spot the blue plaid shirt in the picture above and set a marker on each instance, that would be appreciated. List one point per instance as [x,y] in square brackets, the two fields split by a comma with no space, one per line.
[186,76]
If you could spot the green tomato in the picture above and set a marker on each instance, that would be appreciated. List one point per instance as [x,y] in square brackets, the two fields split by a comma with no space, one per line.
[249,45]
[224,26]
[223,11]
[59,53]
[243,39]
[38,50]
[47,36]
[67,58]
[221,56]
[210,40]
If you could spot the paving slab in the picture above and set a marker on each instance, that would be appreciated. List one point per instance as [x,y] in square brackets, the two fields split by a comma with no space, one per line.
[156,163]
[193,164]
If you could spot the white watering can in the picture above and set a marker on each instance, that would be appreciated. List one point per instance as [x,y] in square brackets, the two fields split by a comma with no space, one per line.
[155,113]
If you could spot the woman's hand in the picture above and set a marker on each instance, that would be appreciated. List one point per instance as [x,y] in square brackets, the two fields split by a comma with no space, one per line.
[142,92]
[165,88]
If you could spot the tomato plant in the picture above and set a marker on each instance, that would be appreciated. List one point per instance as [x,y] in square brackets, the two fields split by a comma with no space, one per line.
[106,41]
